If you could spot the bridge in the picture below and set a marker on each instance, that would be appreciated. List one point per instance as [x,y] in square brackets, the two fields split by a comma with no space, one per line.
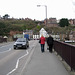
[60,62]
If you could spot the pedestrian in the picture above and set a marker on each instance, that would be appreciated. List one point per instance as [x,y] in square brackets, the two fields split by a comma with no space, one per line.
[50,43]
[42,43]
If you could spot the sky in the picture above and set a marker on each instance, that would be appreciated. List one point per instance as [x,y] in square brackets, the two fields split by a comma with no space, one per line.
[28,9]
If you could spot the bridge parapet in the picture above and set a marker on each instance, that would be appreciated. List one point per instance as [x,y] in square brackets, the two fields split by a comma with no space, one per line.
[67,52]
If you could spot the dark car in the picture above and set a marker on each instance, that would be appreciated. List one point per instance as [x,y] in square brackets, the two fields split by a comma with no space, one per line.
[21,43]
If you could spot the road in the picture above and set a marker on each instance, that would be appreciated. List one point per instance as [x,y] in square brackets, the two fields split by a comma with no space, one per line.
[13,61]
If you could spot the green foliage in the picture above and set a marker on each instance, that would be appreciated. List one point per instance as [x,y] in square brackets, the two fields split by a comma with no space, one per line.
[16,28]
[23,27]
[15,25]
[19,25]
[3,29]
[64,22]
[5,16]
[38,27]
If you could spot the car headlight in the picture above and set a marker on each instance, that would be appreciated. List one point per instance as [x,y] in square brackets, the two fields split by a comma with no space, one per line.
[14,43]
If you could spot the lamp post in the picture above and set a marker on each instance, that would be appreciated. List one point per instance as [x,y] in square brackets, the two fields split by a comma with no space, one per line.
[45,10]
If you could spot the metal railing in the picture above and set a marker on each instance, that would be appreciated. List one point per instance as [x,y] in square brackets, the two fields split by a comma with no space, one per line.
[67,52]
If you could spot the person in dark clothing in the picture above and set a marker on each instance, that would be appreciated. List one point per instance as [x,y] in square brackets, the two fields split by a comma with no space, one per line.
[50,43]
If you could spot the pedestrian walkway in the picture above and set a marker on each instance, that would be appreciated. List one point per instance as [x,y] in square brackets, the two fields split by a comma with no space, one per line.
[44,64]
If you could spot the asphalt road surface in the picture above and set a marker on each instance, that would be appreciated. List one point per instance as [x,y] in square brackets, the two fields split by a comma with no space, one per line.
[13,61]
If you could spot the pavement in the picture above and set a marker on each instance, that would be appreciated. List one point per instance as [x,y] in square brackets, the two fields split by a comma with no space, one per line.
[5,43]
[44,63]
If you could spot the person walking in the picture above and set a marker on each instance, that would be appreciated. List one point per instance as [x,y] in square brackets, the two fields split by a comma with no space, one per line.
[50,43]
[42,43]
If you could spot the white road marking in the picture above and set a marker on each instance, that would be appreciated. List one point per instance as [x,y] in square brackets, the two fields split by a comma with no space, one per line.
[6,51]
[4,46]
[17,64]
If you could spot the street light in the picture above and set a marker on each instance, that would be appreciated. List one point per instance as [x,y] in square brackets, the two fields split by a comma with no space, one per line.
[45,10]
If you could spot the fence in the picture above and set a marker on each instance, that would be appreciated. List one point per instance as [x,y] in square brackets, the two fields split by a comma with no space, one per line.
[3,40]
[67,52]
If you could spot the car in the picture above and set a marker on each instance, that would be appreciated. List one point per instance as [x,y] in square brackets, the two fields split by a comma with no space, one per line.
[21,43]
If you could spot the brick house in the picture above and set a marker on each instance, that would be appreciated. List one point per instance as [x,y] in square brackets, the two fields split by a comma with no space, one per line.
[52,22]
[72,21]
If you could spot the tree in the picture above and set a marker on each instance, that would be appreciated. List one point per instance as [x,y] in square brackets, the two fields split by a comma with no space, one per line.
[5,16]
[38,27]
[2,28]
[64,22]
[24,27]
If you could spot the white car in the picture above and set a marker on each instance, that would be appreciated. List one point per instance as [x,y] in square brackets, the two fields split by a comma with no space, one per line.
[21,43]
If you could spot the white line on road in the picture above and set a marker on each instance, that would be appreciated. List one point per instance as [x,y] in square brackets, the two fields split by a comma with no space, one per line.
[6,51]
[4,46]
[17,64]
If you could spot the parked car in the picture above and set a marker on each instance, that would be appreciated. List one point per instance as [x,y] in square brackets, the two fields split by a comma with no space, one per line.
[21,43]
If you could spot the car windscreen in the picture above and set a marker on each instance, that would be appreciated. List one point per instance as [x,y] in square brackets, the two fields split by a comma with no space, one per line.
[21,40]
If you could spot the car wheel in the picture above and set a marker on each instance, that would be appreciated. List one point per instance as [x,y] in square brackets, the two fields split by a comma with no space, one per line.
[14,47]
[26,47]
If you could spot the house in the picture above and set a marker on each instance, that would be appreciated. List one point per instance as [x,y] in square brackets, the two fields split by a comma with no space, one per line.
[72,21]
[52,22]
[43,32]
